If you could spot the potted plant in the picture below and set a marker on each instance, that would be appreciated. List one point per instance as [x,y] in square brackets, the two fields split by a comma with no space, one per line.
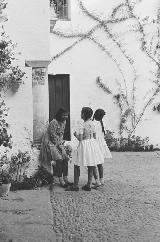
[5,182]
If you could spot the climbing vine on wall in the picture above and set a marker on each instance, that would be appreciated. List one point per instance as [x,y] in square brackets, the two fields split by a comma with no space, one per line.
[123,13]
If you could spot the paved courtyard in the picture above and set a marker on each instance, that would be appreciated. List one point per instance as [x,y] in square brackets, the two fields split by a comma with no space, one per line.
[126,209]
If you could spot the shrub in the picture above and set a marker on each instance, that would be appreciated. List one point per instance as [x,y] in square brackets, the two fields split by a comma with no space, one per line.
[41,178]
[133,143]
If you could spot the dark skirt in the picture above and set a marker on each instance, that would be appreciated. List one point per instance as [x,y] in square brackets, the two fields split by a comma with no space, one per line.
[49,152]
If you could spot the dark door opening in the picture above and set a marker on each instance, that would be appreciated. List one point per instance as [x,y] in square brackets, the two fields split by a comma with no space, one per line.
[59,96]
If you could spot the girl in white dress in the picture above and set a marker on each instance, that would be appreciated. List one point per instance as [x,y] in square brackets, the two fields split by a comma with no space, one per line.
[100,132]
[88,152]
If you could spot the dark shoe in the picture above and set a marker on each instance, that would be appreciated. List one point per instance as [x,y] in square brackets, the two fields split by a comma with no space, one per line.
[65,185]
[86,188]
[72,188]
[65,179]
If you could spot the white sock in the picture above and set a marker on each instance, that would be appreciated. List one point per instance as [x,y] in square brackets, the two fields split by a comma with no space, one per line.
[102,181]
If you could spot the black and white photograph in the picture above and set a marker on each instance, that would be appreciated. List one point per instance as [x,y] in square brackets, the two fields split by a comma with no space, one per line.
[79,120]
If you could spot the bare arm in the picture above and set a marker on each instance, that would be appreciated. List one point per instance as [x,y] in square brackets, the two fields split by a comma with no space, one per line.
[78,136]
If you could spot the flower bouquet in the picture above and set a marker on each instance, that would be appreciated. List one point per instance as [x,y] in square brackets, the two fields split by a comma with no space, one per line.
[68,150]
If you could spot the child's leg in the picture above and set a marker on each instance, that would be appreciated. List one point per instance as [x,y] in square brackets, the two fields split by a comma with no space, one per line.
[87,187]
[76,175]
[54,167]
[100,170]
[90,175]
[95,173]
[96,176]
[75,186]
[65,172]
[59,170]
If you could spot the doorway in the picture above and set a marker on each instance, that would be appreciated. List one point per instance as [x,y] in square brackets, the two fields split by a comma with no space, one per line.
[59,96]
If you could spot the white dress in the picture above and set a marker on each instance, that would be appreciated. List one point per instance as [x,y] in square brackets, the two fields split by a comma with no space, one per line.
[101,141]
[88,152]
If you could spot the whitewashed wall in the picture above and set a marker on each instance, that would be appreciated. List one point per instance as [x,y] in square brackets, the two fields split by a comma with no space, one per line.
[86,61]
[28,26]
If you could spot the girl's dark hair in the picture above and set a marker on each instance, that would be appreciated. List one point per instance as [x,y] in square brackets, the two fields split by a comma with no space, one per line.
[59,113]
[98,116]
[88,112]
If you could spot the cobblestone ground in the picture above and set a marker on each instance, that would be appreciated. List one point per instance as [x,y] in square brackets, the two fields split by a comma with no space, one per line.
[126,209]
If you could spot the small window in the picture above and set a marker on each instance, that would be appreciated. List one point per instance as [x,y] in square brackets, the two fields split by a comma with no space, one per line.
[61,8]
